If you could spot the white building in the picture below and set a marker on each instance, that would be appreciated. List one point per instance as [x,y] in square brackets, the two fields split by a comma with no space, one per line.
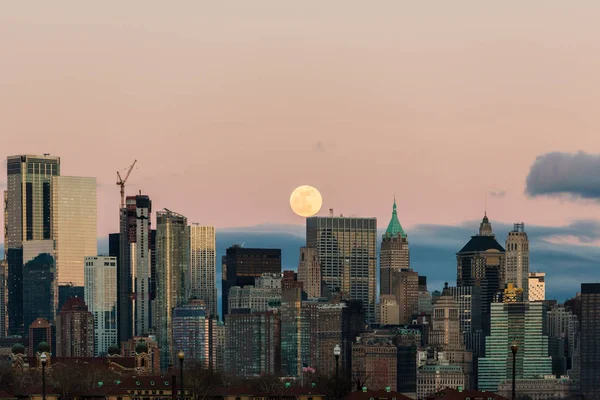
[432,378]
[537,286]
[517,258]
[203,266]
[101,298]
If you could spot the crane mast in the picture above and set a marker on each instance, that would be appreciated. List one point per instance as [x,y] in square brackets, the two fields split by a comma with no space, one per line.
[121,182]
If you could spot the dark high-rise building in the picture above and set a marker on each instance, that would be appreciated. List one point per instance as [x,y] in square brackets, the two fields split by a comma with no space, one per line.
[75,330]
[27,209]
[243,265]
[347,250]
[40,330]
[134,287]
[114,244]
[481,262]
[39,289]
[253,343]
[590,345]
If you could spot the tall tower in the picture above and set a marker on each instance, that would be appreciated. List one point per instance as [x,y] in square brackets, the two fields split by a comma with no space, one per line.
[134,268]
[172,260]
[590,345]
[517,258]
[405,286]
[481,263]
[203,266]
[27,217]
[395,255]
[101,298]
[445,332]
[74,226]
[309,272]
[347,249]
[192,332]
[40,297]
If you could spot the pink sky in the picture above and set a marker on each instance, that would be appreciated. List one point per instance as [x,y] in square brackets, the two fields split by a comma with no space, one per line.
[228,106]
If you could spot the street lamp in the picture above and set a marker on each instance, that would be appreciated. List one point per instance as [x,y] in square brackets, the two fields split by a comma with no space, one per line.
[514,348]
[181,356]
[43,359]
[336,352]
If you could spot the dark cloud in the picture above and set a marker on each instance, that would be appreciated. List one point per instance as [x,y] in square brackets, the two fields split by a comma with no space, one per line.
[567,174]
[499,193]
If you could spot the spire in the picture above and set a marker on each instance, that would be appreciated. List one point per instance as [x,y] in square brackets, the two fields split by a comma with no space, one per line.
[485,228]
[394,228]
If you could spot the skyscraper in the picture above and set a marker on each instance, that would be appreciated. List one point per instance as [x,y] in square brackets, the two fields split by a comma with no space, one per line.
[27,217]
[298,333]
[243,265]
[347,249]
[309,272]
[75,330]
[590,345]
[537,286]
[520,321]
[172,261]
[395,255]
[192,332]
[74,226]
[203,266]
[405,285]
[253,344]
[3,298]
[134,267]
[101,298]
[517,258]
[481,262]
[40,297]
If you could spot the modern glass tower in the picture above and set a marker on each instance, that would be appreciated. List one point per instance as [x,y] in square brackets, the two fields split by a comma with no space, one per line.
[192,332]
[74,226]
[348,254]
[101,299]
[523,322]
[203,266]
[172,261]
[27,217]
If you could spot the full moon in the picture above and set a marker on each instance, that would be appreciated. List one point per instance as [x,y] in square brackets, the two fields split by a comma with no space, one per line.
[306,201]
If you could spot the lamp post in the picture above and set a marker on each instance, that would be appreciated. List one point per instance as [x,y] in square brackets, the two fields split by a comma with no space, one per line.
[181,356]
[514,347]
[43,359]
[336,352]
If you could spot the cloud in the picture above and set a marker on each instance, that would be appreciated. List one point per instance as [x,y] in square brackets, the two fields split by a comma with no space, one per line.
[319,146]
[565,174]
[499,193]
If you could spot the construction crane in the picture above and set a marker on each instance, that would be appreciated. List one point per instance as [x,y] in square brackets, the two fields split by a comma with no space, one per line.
[121,182]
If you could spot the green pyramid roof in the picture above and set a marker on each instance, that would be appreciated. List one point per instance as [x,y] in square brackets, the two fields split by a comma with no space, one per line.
[394,228]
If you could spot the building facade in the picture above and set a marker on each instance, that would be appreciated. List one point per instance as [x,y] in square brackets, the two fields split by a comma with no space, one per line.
[517,259]
[256,299]
[309,272]
[75,330]
[481,263]
[40,331]
[253,345]
[74,225]
[171,268]
[395,254]
[537,286]
[389,310]
[431,378]
[39,284]
[243,265]
[375,362]
[192,332]
[27,206]
[590,345]
[405,284]
[100,295]
[521,322]
[347,249]
[203,266]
